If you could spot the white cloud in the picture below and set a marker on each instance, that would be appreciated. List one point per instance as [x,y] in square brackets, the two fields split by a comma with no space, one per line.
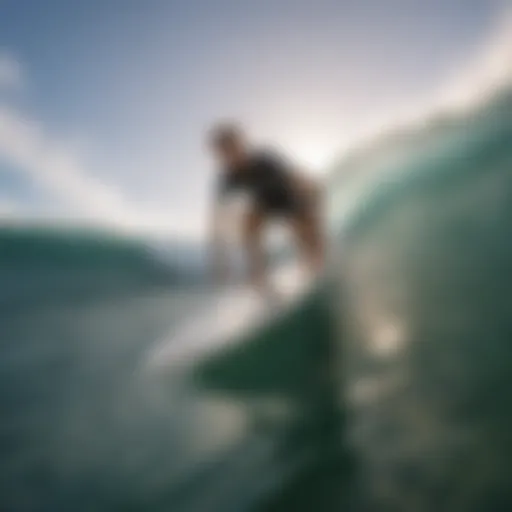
[58,170]
[11,73]
[51,165]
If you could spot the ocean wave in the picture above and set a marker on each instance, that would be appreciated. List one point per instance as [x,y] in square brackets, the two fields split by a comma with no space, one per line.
[423,216]
[458,141]
[39,263]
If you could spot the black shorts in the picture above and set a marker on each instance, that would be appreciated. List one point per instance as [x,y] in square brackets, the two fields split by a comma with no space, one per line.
[295,206]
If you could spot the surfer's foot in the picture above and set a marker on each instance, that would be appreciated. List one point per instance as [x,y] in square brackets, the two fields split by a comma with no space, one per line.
[314,267]
[265,290]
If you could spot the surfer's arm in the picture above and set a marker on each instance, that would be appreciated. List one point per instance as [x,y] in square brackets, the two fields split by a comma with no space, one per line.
[253,227]
[310,190]
[306,185]
[217,243]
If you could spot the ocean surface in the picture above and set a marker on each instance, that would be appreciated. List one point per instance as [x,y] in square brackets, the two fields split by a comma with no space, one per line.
[386,387]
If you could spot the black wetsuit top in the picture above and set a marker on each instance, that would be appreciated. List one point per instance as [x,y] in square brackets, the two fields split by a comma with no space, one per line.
[267,180]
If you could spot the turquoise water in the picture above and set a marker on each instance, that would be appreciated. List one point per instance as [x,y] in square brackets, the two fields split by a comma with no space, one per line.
[384,389]
[427,280]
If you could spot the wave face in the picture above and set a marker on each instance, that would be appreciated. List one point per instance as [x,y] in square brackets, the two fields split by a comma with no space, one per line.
[386,388]
[425,276]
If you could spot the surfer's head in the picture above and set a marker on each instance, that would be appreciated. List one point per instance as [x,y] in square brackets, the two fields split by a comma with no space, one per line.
[229,144]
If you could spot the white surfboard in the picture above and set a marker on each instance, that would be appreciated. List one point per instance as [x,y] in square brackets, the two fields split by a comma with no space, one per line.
[234,312]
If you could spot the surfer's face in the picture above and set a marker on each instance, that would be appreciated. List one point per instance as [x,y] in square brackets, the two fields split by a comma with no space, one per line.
[231,152]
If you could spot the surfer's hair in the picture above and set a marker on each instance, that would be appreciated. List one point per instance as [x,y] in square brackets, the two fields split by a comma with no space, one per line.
[225,134]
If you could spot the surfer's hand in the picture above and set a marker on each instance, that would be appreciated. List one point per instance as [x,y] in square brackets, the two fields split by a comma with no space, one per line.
[219,268]
[260,284]
[220,274]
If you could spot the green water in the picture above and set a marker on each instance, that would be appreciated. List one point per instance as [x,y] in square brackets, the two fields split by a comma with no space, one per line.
[427,277]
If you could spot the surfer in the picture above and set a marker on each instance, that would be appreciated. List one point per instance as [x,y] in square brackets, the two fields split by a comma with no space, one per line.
[276,190]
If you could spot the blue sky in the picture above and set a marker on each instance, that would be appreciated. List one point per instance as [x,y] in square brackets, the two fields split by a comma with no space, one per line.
[104,103]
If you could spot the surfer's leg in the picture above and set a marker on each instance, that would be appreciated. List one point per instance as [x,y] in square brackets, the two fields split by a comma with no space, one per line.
[309,234]
[256,261]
